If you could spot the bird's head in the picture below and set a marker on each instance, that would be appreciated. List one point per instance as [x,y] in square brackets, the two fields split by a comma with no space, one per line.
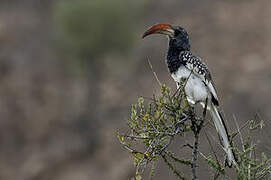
[178,37]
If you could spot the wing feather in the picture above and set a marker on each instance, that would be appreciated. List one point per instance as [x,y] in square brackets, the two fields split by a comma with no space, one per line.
[200,69]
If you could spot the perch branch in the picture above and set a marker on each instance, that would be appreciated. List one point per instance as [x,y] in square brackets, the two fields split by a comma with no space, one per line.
[196,127]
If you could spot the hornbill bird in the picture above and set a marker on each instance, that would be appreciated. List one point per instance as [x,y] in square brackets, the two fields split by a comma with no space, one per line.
[199,87]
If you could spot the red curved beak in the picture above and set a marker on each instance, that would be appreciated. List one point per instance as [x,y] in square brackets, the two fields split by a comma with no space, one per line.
[160,29]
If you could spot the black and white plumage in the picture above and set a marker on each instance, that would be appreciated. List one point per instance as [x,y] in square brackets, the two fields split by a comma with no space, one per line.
[183,64]
[191,66]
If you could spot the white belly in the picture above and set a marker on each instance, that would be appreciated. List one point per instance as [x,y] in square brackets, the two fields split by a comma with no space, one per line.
[195,89]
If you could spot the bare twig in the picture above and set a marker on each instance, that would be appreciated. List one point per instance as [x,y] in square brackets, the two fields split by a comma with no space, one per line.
[239,132]
[217,173]
[249,165]
[176,159]
[212,148]
[195,156]
[178,174]
[154,73]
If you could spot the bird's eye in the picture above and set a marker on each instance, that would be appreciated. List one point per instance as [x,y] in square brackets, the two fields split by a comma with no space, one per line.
[177,32]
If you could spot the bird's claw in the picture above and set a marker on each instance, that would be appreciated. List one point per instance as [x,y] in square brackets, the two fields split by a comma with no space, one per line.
[179,126]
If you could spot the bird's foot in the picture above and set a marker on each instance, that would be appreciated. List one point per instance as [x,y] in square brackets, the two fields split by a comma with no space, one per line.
[179,126]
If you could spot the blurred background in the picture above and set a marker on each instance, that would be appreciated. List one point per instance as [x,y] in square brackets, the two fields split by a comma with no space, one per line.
[69,70]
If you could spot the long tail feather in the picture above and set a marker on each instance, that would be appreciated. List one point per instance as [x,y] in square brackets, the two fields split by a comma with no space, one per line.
[222,131]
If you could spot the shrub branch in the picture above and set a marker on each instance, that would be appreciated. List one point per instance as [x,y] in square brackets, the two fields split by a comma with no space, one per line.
[153,127]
